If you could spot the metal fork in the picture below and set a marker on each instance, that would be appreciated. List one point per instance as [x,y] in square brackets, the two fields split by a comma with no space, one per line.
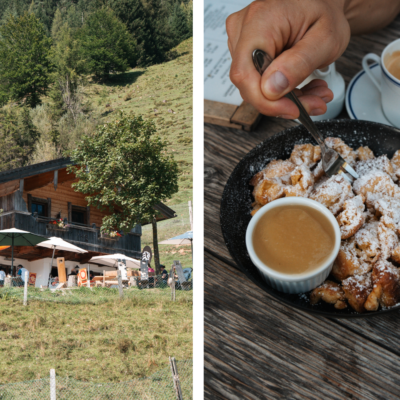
[332,161]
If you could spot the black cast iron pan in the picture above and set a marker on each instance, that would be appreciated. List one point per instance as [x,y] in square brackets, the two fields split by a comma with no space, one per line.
[237,198]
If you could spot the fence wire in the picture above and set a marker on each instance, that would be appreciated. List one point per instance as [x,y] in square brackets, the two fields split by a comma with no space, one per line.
[158,386]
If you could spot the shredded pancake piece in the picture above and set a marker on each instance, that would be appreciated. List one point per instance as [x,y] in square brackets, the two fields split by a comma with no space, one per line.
[374,185]
[357,288]
[366,239]
[341,147]
[331,293]
[386,286]
[302,181]
[268,190]
[388,208]
[388,240]
[305,154]
[381,163]
[350,261]
[352,218]
[333,193]
[275,169]
[396,163]
[365,153]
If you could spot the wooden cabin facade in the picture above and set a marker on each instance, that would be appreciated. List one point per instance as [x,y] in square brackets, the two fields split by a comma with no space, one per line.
[33,197]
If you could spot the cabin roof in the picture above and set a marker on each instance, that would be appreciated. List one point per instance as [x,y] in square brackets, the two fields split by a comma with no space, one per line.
[34,169]
[60,163]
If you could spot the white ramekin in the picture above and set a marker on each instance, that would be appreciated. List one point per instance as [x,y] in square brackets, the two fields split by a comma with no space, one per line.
[293,283]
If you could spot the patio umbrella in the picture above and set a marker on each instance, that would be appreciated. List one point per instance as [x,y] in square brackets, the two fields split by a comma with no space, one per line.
[57,243]
[15,237]
[185,238]
[112,259]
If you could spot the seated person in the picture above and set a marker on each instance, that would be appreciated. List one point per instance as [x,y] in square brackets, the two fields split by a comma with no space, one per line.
[74,271]
[164,274]
[151,278]
[2,275]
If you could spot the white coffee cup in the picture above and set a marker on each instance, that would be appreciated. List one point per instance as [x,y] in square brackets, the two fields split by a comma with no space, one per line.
[389,86]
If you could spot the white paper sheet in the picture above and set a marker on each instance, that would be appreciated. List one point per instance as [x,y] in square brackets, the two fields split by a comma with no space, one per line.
[217,59]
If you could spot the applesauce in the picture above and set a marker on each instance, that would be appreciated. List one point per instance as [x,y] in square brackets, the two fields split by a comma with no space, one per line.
[293,239]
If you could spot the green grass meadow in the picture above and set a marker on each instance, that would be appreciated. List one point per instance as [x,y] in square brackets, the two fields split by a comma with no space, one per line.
[112,341]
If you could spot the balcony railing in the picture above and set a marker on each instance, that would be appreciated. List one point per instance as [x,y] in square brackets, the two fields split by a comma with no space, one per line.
[84,236]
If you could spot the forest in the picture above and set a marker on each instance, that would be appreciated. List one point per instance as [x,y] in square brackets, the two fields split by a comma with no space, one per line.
[51,51]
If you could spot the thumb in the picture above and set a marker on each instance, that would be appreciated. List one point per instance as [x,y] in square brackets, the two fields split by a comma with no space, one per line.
[294,65]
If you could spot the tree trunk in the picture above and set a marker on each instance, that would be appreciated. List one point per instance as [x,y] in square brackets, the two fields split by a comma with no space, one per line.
[155,247]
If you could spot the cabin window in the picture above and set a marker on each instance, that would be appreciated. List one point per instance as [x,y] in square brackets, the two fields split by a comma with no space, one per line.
[79,215]
[40,208]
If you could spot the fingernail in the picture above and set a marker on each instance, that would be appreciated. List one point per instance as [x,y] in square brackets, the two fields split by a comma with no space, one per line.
[276,83]
[317,111]
[326,99]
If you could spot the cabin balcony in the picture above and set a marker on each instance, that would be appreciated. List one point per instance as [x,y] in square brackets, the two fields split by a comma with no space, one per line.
[87,237]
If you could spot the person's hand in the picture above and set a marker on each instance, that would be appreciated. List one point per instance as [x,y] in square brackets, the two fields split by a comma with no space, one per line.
[300,36]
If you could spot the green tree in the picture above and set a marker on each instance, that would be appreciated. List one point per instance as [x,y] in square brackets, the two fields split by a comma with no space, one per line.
[124,168]
[149,27]
[106,44]
[179,23]
[24,63]
[18,136]
[69,69]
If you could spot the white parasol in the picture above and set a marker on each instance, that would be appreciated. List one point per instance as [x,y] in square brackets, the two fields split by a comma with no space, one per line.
[112,259]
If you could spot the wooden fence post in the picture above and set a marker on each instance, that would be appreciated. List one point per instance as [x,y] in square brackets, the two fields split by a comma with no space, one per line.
[104,278]
[7,282]
[172,276]
[52,384]
[175,378]
[121,292]
[26,288]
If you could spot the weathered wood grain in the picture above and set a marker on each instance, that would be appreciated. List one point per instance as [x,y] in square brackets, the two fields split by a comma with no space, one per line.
[256,347]
[260,348]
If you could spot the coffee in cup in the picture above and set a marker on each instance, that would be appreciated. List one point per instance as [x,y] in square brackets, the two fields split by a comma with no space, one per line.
[390,79]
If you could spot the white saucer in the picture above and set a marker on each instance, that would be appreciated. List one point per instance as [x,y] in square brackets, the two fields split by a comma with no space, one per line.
[363,99]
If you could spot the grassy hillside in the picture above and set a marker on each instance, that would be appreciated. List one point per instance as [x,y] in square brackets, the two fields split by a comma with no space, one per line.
[162,93]
[110,342]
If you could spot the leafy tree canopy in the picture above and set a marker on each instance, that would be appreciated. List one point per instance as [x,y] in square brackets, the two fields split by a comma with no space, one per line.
[24,63]
[106,44]
[17,136]
[124,167]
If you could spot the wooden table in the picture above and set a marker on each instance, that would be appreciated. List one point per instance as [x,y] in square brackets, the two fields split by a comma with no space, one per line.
[258,348]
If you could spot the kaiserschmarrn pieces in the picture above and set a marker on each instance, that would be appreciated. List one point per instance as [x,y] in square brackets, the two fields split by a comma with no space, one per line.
[352,218]
[341,147]
[388,240]
[357,288]
[366,239]
[331,293]
[365,153]
[365,273]
[388,209]
[376,182]
[350,261]
[268,190]
[333,193]
[396,163]
[305,154]
[302,181]
[386,286]
[381,163]
[275,169]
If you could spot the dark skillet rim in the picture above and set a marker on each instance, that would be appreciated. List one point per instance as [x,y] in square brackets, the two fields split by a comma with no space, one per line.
[260,283]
